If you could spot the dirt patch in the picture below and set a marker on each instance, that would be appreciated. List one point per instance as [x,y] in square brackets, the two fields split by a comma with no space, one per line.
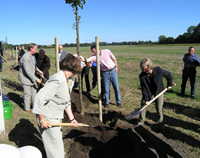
[114,137]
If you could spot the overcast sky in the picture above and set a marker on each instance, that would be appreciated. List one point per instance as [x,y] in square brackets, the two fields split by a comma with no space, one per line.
[40,21]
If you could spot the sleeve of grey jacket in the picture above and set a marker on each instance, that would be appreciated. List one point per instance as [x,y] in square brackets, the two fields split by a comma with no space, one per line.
[71,84]
[45,95]
[29,69]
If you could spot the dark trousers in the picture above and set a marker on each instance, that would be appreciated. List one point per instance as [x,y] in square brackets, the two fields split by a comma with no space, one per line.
[94,80]
[191,74]
[85,72]
[0,63]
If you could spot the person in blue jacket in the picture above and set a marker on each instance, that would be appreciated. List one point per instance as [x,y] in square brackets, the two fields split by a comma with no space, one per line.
[191,61]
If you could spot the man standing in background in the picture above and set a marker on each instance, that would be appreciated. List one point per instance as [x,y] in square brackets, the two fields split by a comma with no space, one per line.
[27,76]
[20,53]
[191,61]
[109,69]
[1,56]
[43,63]
[62,53]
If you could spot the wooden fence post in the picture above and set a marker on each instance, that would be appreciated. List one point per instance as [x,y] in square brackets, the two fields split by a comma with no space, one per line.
[56,55]
[16,56]
[99,79]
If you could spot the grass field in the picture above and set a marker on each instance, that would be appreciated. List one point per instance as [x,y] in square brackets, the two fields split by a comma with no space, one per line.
[168,57]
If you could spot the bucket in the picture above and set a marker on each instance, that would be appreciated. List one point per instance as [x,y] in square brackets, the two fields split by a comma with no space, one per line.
[7,108]
[5,97]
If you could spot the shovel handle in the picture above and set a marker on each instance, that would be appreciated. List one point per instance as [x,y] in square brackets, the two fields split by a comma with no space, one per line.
[66,124]
[44,78]
[152,100]
[3,58]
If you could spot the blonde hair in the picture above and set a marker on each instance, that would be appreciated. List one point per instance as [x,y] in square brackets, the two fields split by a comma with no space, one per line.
[146,63]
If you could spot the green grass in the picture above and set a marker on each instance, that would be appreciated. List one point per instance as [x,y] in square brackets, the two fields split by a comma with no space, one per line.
[168,57]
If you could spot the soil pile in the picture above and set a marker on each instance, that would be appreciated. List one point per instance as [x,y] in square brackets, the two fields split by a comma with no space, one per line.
[114,136]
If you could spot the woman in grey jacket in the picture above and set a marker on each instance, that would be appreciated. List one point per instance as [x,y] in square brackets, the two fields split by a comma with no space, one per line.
[51,102]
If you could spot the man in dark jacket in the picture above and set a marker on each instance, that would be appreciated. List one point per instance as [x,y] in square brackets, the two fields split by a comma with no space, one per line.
[20,53]
[43,63]
[1,56]
[151,81]
[191,61]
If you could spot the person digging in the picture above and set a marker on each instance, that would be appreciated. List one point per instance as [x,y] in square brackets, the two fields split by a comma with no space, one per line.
[151,81]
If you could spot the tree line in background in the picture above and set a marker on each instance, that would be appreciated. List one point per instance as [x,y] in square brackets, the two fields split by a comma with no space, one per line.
[191,36]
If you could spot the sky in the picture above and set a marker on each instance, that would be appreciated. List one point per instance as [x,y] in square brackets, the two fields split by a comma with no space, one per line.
[41,21]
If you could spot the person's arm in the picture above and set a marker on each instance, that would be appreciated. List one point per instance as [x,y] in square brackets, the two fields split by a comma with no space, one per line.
[144,89]
[71,117]
[43,97]
[114,60]
[41,74]
[43,123]
[168,77]
[116,66]
[196,61]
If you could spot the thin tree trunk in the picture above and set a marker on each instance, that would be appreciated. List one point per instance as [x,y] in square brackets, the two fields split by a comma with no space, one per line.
[78,53]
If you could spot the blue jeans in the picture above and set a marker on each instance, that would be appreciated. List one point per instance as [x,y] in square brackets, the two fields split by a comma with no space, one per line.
[111,77]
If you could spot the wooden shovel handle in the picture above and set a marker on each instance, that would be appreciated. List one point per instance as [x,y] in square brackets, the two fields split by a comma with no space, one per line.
[66,124]
[3,58]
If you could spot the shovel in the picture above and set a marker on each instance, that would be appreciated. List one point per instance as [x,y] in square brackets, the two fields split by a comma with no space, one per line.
[45,80]
[69,124]
[136,112]
[89,91]
[3,58]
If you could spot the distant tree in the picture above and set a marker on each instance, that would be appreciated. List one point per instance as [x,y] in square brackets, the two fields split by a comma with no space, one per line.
[191,29]
[140,42]
[179,39]
[102,43]
[150,42]
[66,45]
[187,38]
[124,43]
[161,39]
[169,40]
[196,34]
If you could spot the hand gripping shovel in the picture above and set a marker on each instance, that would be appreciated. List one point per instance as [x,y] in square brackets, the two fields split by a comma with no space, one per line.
[45,80]
[3,58]
[136,112]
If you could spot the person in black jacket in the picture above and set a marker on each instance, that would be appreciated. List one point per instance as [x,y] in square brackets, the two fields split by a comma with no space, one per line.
[151,81]
[1,56]
[43,63]
[191,61]
[20,53]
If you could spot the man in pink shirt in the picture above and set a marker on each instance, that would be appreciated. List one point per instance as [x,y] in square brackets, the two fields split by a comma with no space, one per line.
[109,69]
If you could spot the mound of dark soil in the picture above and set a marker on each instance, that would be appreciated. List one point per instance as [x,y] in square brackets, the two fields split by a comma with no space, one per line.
[114,137]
